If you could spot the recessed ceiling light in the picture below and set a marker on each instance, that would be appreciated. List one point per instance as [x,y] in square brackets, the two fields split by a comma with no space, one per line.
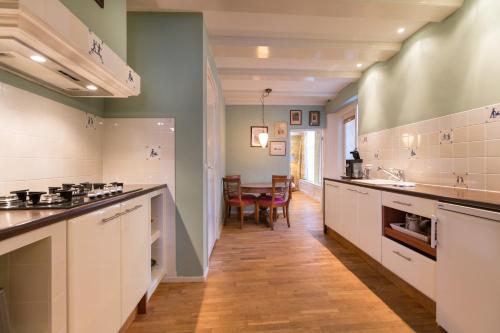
[401,30]
[172,129]
[160,123]
[359,65]
[38,58]
[91,87]
[262,52]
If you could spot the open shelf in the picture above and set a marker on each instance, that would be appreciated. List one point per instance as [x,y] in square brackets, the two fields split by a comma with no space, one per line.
[155,235]
[391,215]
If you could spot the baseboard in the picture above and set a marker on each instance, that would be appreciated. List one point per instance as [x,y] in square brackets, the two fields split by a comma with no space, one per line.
[407,288]
[186,279]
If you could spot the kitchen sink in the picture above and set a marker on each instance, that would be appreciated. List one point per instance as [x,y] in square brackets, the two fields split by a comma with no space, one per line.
[385,182]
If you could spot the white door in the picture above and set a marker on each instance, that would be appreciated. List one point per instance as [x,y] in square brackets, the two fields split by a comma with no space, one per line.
[135,252]
[94,286]
[211,161]
[370,222]
[468,272]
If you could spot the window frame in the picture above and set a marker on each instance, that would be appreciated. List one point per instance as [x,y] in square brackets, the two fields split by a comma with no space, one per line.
[348,117]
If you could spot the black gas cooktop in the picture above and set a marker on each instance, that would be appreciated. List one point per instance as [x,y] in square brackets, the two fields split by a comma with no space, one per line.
[64,197]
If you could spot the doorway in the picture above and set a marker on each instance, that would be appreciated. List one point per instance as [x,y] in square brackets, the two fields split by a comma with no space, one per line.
[306,157]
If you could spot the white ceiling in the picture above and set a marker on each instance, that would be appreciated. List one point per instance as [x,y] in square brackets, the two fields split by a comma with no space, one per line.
[305,50]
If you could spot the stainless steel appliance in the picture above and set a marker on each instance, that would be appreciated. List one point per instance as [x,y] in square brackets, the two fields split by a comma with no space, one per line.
[354,167]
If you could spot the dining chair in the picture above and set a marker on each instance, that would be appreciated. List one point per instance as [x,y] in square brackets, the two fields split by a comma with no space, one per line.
[245,196]
[280,198]
[234,198]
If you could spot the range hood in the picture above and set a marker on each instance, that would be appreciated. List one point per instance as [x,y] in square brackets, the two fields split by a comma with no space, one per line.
[42,41]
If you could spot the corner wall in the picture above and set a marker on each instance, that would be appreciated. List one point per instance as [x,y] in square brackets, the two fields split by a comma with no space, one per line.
[167,49]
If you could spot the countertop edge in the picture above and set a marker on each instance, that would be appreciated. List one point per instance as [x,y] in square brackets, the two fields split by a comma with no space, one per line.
[441,198]
[66,214]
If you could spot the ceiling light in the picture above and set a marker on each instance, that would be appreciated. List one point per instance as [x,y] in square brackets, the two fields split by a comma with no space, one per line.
[359,65]
[38,58]
[160,123]
[401,30]
[172,129]
[262,52]
[91,87]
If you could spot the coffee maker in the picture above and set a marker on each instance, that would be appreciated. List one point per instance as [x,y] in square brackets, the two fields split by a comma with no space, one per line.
[354,167]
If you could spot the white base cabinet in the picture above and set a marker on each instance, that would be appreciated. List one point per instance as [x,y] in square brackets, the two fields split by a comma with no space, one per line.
[135,253]
[468,271]
[356,214]
[94,289]
[109,258]
[333,195]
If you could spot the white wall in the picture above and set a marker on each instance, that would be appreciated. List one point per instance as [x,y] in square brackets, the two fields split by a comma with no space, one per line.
[45,143]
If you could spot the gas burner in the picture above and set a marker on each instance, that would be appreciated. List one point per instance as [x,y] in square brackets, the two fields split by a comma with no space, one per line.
[50,199]
[9,201]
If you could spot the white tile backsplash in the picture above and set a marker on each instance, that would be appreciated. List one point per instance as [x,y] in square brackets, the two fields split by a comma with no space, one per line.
[45,143]
[464,145]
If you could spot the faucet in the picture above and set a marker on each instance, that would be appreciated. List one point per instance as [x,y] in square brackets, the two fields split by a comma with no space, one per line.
[397,174]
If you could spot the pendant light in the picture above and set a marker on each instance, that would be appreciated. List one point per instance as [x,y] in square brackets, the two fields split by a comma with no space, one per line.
[264,137]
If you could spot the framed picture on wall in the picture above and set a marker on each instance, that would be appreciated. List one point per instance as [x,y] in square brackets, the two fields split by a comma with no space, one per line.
[296,117]
[314,118]
[254,135]
[280,129]
[277,148]
[100,3]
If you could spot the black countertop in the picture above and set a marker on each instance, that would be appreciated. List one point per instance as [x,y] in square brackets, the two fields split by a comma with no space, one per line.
[459,196]
[16,222]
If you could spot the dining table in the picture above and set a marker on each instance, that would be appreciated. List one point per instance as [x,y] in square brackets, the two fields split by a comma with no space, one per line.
[263,189]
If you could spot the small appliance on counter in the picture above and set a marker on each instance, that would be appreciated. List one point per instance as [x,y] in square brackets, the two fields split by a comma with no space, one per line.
[354,167]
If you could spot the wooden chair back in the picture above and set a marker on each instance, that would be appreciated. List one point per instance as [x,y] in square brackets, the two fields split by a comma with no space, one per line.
[232,188]
[282,188]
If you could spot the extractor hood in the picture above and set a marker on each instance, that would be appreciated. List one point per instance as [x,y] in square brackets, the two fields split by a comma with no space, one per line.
[42,41]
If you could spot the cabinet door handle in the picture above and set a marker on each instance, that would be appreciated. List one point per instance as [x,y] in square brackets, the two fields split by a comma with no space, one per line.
[117,215]
[403,203]
[364,193]
[401,255]
[335,186]
[352,190]
[434,222]
[132,209]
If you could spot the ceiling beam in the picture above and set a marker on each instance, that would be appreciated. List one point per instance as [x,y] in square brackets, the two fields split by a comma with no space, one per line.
[423,10]
[228,72]
[302,43]
[256,93]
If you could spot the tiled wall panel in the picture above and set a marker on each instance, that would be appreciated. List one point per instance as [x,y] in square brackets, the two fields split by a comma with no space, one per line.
[44,143]
[460,150]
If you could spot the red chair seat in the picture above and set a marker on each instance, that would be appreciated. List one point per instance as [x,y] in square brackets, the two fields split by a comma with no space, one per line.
[244,201]
[266,201]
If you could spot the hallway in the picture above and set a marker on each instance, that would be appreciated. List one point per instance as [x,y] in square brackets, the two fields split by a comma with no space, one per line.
[286,280]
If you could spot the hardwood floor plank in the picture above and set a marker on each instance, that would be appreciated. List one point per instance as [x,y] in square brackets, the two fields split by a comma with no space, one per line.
[286,280]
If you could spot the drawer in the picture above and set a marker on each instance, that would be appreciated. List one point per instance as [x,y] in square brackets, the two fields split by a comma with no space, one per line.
[414,268]
[410,204]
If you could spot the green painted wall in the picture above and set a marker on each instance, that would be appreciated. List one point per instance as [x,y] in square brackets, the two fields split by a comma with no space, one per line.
[255,164]
[345,97]
[110,23]
[444,68]
[167,49]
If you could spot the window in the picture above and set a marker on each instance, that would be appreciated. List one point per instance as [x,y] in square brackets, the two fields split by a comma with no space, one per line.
[349,136]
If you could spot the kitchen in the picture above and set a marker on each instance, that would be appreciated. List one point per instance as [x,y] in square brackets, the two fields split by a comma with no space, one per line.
[119,120]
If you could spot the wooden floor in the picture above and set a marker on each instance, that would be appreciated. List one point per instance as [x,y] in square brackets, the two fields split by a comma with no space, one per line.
[286,280]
